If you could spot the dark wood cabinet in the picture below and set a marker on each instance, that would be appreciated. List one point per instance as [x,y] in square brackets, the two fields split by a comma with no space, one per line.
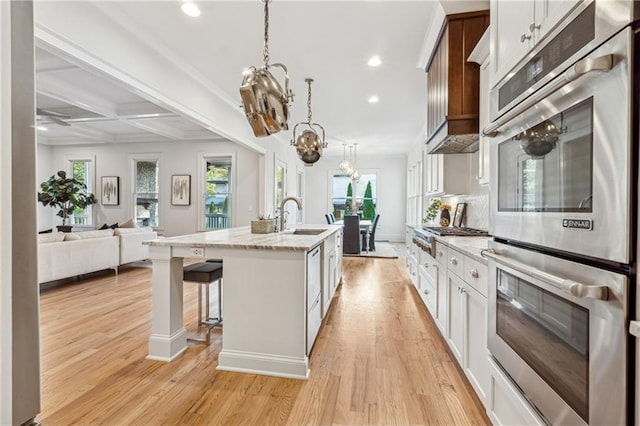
[453,85]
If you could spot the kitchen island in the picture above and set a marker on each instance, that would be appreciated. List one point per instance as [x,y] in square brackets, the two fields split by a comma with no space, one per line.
[269,296]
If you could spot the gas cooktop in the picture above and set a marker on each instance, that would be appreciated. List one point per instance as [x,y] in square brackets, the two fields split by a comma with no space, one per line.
[452,230]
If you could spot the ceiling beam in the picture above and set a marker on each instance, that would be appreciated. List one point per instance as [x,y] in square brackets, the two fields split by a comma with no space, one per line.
[160,129]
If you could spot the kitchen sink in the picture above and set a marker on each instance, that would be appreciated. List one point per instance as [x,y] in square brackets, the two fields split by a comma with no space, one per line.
[308,231]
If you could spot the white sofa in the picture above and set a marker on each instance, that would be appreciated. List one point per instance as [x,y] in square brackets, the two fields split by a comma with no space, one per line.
[64,255]
[131,247]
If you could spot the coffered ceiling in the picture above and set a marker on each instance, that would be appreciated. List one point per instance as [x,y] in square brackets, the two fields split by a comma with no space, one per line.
[329,41]
[78,106]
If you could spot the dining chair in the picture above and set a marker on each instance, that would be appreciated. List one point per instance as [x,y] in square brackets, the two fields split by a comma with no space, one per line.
[328,218]
[351,235]
[333,217]
[372,236]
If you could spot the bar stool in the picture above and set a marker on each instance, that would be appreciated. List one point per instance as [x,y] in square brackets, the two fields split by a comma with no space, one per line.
[205,274]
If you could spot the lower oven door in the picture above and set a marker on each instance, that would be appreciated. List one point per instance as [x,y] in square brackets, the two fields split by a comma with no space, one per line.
[558,329]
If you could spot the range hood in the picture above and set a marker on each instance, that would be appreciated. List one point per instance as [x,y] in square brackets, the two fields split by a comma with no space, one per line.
[447,141]
[453,86]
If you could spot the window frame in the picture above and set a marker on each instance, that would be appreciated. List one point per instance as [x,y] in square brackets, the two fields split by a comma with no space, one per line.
[363,172]
[91,187]
[133,159]
[203,158]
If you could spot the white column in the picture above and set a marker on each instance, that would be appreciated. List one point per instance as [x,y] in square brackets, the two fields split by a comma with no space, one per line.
[168,337]
[19,296]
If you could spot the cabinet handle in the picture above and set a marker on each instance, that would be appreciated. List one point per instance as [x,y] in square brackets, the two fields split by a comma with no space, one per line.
[533,27]
[474,273]
[440,253]
[453,261]
[426,265]
[524,37]
[425,291]
[463,290]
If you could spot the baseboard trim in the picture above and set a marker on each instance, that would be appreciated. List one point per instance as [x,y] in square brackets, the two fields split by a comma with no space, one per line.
[167,348]
[269,365]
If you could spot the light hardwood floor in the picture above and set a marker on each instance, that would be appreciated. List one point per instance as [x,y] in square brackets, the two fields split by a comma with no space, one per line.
[378,359]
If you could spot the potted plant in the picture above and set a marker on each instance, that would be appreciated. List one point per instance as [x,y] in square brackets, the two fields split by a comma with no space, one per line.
[65,193]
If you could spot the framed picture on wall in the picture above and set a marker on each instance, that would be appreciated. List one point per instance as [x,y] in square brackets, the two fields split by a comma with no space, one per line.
[459,215]
[181,190]
[110,191]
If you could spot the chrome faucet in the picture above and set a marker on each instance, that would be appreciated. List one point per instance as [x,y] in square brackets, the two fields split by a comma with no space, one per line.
[283,213]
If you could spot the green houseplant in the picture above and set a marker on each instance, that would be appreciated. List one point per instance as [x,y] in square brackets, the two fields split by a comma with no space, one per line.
[66,194]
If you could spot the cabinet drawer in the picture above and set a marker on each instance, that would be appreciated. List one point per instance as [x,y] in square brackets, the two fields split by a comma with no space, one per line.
[441,253]
[476,275]
[455,262]
[427,290]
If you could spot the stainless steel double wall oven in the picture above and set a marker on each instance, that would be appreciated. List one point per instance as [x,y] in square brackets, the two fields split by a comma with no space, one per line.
[563,200]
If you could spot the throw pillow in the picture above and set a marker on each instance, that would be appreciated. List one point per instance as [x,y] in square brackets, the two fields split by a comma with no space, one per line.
[70,236]
[105,226]
[48,231]
[95,234]
[114,226]
[51,237]
[127,224]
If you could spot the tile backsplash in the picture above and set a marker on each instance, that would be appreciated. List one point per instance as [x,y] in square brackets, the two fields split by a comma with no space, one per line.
[477,211]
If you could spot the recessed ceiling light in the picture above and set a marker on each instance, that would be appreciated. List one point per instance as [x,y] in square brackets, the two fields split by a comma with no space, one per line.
[374,61]
[190,8]
[373,99]
[44,129]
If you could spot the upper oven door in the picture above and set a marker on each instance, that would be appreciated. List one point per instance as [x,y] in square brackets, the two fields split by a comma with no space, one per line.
[563,164]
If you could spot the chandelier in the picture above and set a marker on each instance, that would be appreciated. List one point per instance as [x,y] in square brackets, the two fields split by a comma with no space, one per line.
[344,164]
[308,144]
[265,103]
[349,166]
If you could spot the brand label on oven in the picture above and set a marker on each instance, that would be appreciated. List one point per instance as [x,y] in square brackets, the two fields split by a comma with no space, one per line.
[577,223]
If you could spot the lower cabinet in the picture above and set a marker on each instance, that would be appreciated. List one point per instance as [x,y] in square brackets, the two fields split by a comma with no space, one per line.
[315,284]
[505,404]
[467,318]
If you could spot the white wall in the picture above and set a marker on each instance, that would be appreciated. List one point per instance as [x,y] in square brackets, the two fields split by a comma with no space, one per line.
[176,157]
[392,195]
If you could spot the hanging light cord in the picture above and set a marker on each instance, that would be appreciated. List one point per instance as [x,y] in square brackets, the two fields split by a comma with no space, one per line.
[309,101]
[266,33]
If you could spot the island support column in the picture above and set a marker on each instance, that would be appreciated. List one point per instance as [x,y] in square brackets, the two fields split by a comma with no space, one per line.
[168,337]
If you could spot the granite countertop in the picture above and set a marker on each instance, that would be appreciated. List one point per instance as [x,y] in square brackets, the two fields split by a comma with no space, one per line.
[471,246]
[242,238]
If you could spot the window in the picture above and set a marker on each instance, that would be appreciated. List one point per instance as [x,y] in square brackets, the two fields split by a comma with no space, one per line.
[281,184]
[82,170]
[146,183]
[218,193]
[349,197]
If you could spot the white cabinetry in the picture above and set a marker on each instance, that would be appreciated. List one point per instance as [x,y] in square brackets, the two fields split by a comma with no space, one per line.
[332,269]
[505,404]
[480,55]
[467,318]
[314,305]
[446,174]
[517,26]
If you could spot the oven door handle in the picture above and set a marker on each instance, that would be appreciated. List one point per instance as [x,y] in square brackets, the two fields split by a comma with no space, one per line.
[599,292]
[579,69]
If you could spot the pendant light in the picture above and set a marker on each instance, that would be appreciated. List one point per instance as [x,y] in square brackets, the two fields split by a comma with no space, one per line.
[355,174]
[344,164]
[265,103]
[308,144]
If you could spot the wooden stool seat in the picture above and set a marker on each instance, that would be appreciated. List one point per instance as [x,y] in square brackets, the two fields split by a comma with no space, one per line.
[205,274]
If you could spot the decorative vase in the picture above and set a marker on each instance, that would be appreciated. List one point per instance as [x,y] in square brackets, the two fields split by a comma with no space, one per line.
[445,218]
